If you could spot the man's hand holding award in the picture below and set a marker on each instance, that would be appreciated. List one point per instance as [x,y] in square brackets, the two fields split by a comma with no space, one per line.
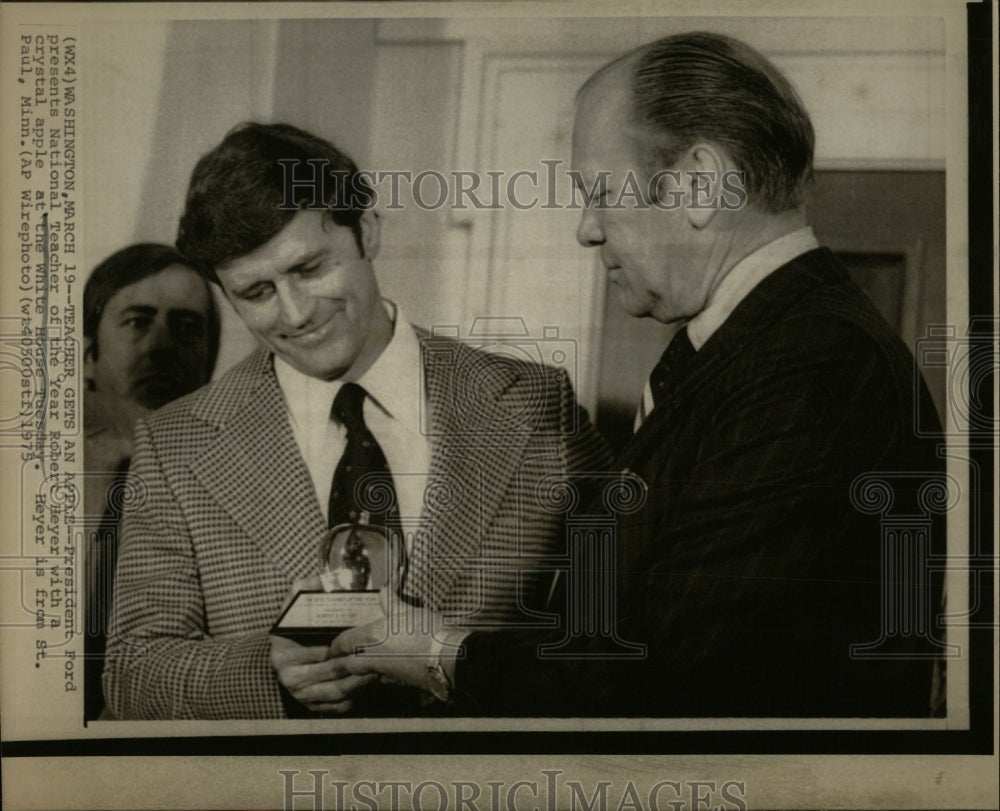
[356,560]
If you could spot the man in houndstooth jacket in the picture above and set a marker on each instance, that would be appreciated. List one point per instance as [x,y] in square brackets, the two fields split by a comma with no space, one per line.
[235,478]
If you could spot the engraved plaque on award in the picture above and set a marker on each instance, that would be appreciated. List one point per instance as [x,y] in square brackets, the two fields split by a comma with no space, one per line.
[356,560]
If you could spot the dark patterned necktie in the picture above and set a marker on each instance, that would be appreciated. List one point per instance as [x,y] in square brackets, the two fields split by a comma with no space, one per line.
[362,482]
[671,366]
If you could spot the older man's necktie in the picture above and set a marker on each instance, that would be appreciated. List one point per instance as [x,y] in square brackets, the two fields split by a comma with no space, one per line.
[671,366]
[362,490]
[666,373]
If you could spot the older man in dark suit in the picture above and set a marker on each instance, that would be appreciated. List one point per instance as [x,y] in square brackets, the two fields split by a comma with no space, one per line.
[749,574]
[243,478]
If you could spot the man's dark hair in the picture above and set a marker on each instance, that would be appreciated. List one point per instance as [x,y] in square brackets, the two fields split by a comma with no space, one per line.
[695,86]
[128,266]
[240,195]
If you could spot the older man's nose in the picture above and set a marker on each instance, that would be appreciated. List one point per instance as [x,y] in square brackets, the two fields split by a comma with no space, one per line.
[589,232]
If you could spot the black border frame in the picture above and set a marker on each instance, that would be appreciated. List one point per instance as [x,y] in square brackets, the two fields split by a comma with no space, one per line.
[977,740]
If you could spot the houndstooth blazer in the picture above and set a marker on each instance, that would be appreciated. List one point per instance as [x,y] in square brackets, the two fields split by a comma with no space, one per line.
[227,517]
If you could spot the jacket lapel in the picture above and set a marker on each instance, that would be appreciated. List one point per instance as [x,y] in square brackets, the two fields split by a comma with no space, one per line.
[477,435]
[776,294]
[477,440]
[254,447]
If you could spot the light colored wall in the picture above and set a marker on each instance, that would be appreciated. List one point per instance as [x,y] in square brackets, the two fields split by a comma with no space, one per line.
[414,111]
[123,81]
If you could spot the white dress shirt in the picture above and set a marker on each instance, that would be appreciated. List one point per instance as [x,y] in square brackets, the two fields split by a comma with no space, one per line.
[392,412]
[736,286]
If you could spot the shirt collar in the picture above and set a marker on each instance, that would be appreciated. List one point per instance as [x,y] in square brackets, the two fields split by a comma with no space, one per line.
[393,381]
[744,277]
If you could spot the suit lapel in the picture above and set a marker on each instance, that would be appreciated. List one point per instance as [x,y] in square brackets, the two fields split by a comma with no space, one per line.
[662,419]
[253,469]
[764,305]
[477,441]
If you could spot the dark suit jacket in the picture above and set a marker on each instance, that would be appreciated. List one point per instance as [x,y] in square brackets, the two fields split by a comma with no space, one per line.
[749,571]
[230,518]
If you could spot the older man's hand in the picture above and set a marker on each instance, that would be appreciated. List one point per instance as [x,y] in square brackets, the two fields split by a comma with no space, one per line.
[396,648]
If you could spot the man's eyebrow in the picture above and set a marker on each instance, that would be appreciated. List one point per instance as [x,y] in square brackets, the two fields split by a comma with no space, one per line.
[308,259]
[241,292]
[137,309]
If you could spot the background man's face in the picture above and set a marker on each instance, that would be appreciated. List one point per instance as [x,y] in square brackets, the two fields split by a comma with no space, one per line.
[650,253]
[152,339]
[310,297]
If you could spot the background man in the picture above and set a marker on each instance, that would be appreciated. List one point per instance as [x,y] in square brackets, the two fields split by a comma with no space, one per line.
[748,572]
[242,476]
[152,334]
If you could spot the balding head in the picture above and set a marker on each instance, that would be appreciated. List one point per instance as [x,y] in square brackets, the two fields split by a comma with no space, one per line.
[707,87]
[692,152]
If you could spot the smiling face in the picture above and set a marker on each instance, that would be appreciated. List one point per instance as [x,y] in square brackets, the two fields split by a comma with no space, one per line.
[310,296]
[653,254]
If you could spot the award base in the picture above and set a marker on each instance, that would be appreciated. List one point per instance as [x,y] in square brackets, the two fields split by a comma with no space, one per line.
[316,617]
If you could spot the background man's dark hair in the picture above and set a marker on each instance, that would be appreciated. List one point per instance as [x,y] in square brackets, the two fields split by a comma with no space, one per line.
[236,199]
[128,266]
[707,86]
